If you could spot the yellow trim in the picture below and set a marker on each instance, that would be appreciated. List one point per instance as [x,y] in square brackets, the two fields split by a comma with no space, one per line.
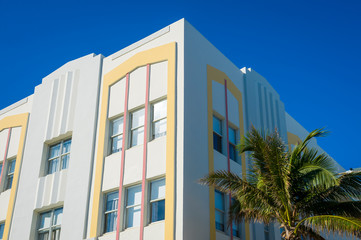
[293,139]
[165,52]
[19,120]
[216,75]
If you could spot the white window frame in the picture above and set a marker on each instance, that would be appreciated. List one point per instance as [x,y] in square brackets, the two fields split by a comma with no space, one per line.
[155,200]
[130,206]
[10,175]
[113,136]
[154,121]
[60,156]
[52,227]
[135,128]
[110,211]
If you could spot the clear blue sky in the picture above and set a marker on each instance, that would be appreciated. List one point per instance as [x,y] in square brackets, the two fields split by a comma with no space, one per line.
[310,51]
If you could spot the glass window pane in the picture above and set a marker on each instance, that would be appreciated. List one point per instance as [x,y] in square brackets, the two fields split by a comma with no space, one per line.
[66,146]
[65,161]
[111,222]
[160,110]
[137,136]
[55,235]
[11,166]
[134,195]
[44,236]
[55,151]
[157,189]
[58,216]
[232,152]
[232,135]
[2,226]
[217,142]
[117,143]
[219,200]
[219,221]
[117,127]
[53,166]
[133,216]
[112,201]
[160,128]
[1,167]
[9,182]
[157,210]
[217,125]
[45,220]
[138,118]
[235,229]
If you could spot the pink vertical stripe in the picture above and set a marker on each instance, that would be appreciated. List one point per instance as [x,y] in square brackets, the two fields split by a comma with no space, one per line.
[144,154]
[5,155]
[123,155]
[228,159]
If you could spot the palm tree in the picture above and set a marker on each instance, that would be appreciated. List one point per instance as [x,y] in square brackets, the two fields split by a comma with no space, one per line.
[298,188]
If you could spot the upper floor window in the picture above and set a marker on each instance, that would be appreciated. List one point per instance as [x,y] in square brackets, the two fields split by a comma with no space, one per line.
[2,226]
[10,174]
[50,224]
[137,128]
[235,226]
[117,135]
[220,210]
[59,155]
[217,134]
[133,205]
[111,210]
[159,119]
[157,200]
[232,144]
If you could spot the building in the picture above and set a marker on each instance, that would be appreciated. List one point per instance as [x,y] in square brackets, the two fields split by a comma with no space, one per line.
[142,125]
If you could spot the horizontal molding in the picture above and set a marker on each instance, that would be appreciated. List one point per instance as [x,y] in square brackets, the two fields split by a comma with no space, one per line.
[14,105]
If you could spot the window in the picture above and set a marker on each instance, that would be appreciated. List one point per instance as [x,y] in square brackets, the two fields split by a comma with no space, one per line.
[266,232]
[1,168]
[232,144]
[2,226]
[157,200]
[50,225]
[59,156]
[217,134]
[111,209]
[235,226]
[117,135]
[219,204]
[159,119]
[133,205]
[137,128]
[10,174]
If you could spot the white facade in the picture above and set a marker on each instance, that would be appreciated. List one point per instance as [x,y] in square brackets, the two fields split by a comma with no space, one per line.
[114,109]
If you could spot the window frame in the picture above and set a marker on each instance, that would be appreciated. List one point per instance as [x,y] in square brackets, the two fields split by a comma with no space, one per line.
[131,129]
[154,121]
[60,156]
[219,135]
[110,211]
[9,175]
[155,200]
[126,207]
[52,227]
[113,136]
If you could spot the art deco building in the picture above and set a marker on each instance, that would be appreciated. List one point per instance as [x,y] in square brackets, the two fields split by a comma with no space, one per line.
[113,147]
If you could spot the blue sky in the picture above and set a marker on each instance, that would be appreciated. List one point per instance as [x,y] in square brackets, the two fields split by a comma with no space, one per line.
[310,51]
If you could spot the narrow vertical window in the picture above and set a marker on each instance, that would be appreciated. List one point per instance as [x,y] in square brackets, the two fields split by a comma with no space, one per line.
[235,226]
[117,135]
[110,213]
[266,232]
[232,144]
[219,204]
[1,168]
[157,200]
[133,205]
[217,134]
[59,155]
[10,174]
[137,128]
[159,119]
[50,224]
[2,226]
